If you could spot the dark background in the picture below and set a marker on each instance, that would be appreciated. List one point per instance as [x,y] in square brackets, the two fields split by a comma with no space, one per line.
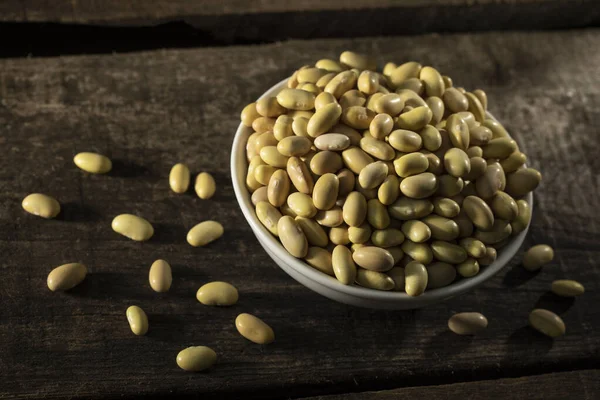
[152,83]
[43,28]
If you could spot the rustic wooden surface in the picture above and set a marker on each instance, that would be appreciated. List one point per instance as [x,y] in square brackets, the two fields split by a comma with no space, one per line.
[92,11]
[556,386]
[240,21]
[150,110]
[110,10]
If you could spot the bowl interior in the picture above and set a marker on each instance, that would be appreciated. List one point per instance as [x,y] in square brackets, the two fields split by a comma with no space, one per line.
[277,251]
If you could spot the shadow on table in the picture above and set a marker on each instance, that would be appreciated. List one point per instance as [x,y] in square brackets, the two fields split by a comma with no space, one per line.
[127,169]
[518,276]
[77,212]
[186,282]
[447,343]
[526,342]
[554,303]
[168,328]
[114,286]
[168,233]
[362,327]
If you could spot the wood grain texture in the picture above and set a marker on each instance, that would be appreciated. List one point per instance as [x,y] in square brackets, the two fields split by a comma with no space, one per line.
[73,11]
[583,385]
[84,11]
[149,110]
[240,21]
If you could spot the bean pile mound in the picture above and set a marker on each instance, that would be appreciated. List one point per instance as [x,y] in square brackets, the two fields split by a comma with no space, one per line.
[393,180]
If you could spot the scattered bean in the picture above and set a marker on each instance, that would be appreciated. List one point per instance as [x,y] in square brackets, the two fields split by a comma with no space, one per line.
[547,323]
[204,233]
[538,256]
[567,288]
[66,277]
[93,163]
[41,205]
[138,320]
[196,358]
[205,186]
[217,294]
[160,276]
[254,329]
[467,323]
[133,227]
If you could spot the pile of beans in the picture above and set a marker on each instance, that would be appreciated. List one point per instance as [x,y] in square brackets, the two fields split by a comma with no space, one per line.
[394,181]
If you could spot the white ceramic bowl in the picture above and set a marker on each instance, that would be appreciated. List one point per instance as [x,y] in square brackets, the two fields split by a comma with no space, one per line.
[329,286]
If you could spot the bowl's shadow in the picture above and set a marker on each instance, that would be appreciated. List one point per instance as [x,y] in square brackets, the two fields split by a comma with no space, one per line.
[517,276]
[556,304]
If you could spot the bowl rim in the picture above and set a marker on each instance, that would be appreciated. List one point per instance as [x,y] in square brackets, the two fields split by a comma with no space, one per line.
[243,197]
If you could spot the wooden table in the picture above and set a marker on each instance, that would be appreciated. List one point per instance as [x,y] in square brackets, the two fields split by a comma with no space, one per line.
[229,22]
[152,109]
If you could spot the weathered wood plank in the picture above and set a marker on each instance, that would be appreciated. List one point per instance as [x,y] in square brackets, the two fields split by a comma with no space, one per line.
[150,110]
[583,385]
[84,11]
[156,9]
[235,21]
